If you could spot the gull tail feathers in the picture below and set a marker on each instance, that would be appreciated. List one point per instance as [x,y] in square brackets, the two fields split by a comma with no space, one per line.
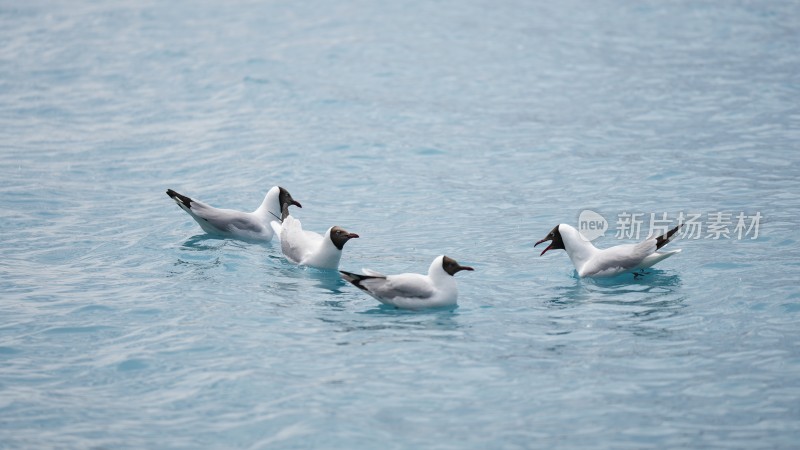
[180,199]
[356,279]
[666,238]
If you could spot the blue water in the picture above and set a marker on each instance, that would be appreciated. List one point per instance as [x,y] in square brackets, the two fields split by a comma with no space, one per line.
[467,128]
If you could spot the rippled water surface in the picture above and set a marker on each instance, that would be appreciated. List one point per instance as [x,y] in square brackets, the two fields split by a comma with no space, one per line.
[467,128]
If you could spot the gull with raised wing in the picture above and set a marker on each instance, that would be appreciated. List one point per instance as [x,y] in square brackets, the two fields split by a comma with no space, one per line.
[307,248]
[590,261]
[249,226]
[412,290]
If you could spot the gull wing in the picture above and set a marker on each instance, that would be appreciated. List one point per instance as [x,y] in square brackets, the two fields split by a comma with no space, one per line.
[620,258]
[407,285]
[229,220]
[297,243]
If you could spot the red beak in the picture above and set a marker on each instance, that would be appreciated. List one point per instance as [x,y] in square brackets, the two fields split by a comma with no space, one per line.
[546,249]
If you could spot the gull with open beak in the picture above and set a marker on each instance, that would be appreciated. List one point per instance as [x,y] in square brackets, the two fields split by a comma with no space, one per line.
[590,261]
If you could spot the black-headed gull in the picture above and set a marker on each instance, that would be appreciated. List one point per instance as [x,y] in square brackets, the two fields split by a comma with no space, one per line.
[412,290]
[254,226]
[311,249]
[590,261]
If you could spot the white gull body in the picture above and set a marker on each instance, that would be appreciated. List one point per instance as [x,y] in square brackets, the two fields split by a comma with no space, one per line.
[590,261]
[412,290]
[312,249]
[250,226]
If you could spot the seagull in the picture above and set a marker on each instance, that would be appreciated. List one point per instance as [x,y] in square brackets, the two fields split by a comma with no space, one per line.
[412,290]
[590,261]
[254,226]
[311,249]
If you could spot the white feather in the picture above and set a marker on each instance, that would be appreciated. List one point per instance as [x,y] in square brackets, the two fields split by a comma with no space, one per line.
[308,248]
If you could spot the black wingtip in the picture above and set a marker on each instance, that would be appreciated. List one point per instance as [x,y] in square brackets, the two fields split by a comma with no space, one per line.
[187,202]
[346,275]
[664,239]
[355,279]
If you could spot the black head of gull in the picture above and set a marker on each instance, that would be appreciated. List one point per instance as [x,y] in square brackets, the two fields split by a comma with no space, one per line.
[555,236]
[340,236]
[452,267]
[285,199]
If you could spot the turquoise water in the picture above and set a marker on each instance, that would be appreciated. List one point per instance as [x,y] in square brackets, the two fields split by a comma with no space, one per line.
[466,128]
